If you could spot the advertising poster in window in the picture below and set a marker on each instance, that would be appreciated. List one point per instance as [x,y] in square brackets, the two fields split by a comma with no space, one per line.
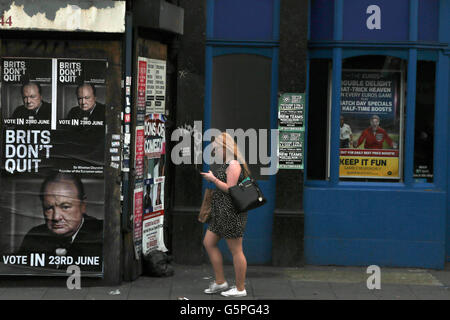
[52,165]
[370,124]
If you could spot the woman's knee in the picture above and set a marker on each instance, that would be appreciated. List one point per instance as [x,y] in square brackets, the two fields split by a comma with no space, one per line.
[210,241]
[235,246]
[207,243]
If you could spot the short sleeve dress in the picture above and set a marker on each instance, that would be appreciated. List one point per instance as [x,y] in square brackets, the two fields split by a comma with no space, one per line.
[224,220]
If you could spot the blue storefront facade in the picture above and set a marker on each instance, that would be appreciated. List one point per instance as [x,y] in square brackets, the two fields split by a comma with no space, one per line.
[400,217]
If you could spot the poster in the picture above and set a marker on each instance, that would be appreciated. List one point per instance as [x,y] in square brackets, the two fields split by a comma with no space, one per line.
[291,131]
[291,112]
[153,236]
[139,153]
[155,140]
[137,220]
[290,150]
[52,165]
[151,87]
[371,124]
[155,156]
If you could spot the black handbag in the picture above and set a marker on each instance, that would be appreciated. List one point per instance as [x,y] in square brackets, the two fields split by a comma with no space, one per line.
[246,195]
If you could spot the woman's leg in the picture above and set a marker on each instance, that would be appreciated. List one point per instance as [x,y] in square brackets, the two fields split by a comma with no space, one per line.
[239,261]
[215,256]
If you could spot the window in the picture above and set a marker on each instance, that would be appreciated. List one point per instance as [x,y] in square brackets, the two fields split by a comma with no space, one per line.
[241,95]
[318,113]
[424,124]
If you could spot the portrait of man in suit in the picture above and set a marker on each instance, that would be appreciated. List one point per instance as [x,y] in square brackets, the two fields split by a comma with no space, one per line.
[67,230]
[34,107]
[88,108]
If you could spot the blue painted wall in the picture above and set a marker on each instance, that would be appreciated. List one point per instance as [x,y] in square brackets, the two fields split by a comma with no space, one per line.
[404,223]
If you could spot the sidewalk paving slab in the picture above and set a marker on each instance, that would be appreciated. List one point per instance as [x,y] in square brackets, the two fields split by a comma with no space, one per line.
[431,293]
[312,290]
[352,291]
[23,293]
[395,292]
[65,294]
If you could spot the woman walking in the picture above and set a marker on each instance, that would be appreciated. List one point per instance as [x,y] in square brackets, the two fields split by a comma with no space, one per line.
[225,222]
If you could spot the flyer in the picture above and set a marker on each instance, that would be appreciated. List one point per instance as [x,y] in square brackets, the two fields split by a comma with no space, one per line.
[291,112]
[139,153]
[137,221]
[290,150]
[152,234]
[151,87]
[291,128]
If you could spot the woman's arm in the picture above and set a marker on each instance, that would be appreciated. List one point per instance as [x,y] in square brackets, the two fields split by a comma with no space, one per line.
[233,172]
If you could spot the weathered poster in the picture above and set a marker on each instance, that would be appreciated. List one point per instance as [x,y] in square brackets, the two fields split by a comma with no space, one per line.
[370,124]
[52,165]
[139,154]
[151,87]
[155,149]
[155,139]
[152,234]
[160,86]
[144,83]
[137,221]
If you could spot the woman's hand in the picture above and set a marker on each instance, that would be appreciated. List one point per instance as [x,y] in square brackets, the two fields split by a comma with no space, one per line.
[209,176]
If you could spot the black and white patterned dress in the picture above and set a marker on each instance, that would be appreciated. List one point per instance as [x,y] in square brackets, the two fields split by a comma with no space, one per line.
[225,221]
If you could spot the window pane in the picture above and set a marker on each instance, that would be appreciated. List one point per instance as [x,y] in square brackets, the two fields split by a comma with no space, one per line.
[318,101]
[241,90]
[424,124]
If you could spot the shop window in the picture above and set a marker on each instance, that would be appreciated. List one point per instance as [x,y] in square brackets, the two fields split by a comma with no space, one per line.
[318,116]
[241,95]
[424,124]
[371,123]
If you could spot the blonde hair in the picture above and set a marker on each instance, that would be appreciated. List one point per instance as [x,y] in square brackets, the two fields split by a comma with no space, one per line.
[228,144]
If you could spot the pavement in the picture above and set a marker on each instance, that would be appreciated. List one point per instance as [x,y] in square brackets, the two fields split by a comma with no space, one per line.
[262,283]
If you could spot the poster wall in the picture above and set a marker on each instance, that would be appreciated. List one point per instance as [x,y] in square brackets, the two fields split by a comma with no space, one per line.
[150,110]
[52,165]
[371,124]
